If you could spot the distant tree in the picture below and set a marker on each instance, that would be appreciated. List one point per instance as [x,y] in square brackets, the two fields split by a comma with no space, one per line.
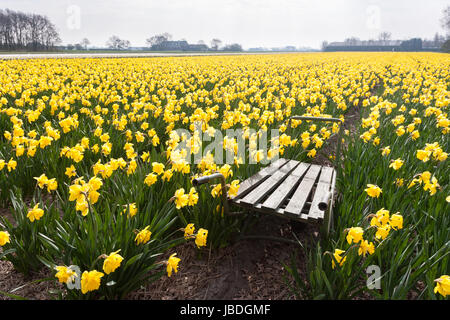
[384,36]
[200,42]
[85,42]
[352,41]
[112,42]
[324,45]
[125,44]
[70,46]
[167,35]
[19,31]
[438,40]
[215,44]
[78,46]
[415,44]
[116,43]
[446,46]
[233,47]
[158,39]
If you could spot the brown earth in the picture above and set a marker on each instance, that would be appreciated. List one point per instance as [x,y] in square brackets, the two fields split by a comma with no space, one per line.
[247,269]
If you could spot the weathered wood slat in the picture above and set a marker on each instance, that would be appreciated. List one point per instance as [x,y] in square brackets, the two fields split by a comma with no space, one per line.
[249,184]
[300,195]
[269,184]
[322,194]
[289,189]
[280,194]
[280,212]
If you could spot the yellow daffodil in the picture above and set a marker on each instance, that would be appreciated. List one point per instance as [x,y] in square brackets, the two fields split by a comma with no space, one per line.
[143,236]
[65,274]
[443,285]
[382,231]
[373,190]
[234,188]
[132,209]
[90,281]
[355,235]
[396,221]
[41,180]
[337,255]
[35,213]
[167,175]
[189,231]
[423,155]
[150,179]
[396,164]
[158,168]
[4,238]
[172,264]
[200,239]
[52,185]
[70,171]
[181,199]
[366,247]
[11,165]
[381,218]
[112,262]
[192,197]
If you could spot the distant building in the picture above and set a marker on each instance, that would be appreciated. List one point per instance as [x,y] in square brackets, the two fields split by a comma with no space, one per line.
[284,49]
[258,49]
[181,45]
[170,46]
[289,48]
[197,47]
[373,45]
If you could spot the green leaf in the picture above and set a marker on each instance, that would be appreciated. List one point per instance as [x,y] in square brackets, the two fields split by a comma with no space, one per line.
[13,296]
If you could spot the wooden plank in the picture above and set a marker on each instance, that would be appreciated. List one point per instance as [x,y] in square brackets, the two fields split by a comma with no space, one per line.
[322,194]
[268,185]
[300,195]
[279,195]
[328,219]
[249,184]
[280,213]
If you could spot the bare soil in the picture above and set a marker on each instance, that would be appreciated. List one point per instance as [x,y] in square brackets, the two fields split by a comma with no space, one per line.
[249,269]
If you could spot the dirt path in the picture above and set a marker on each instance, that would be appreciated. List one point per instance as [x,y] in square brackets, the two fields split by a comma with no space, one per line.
[248,269]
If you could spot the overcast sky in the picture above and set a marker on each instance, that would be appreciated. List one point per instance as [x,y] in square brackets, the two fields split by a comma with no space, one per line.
[252,23]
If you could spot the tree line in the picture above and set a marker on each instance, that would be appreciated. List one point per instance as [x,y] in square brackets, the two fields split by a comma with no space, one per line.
[384,39]
[155,42]
[26,31]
